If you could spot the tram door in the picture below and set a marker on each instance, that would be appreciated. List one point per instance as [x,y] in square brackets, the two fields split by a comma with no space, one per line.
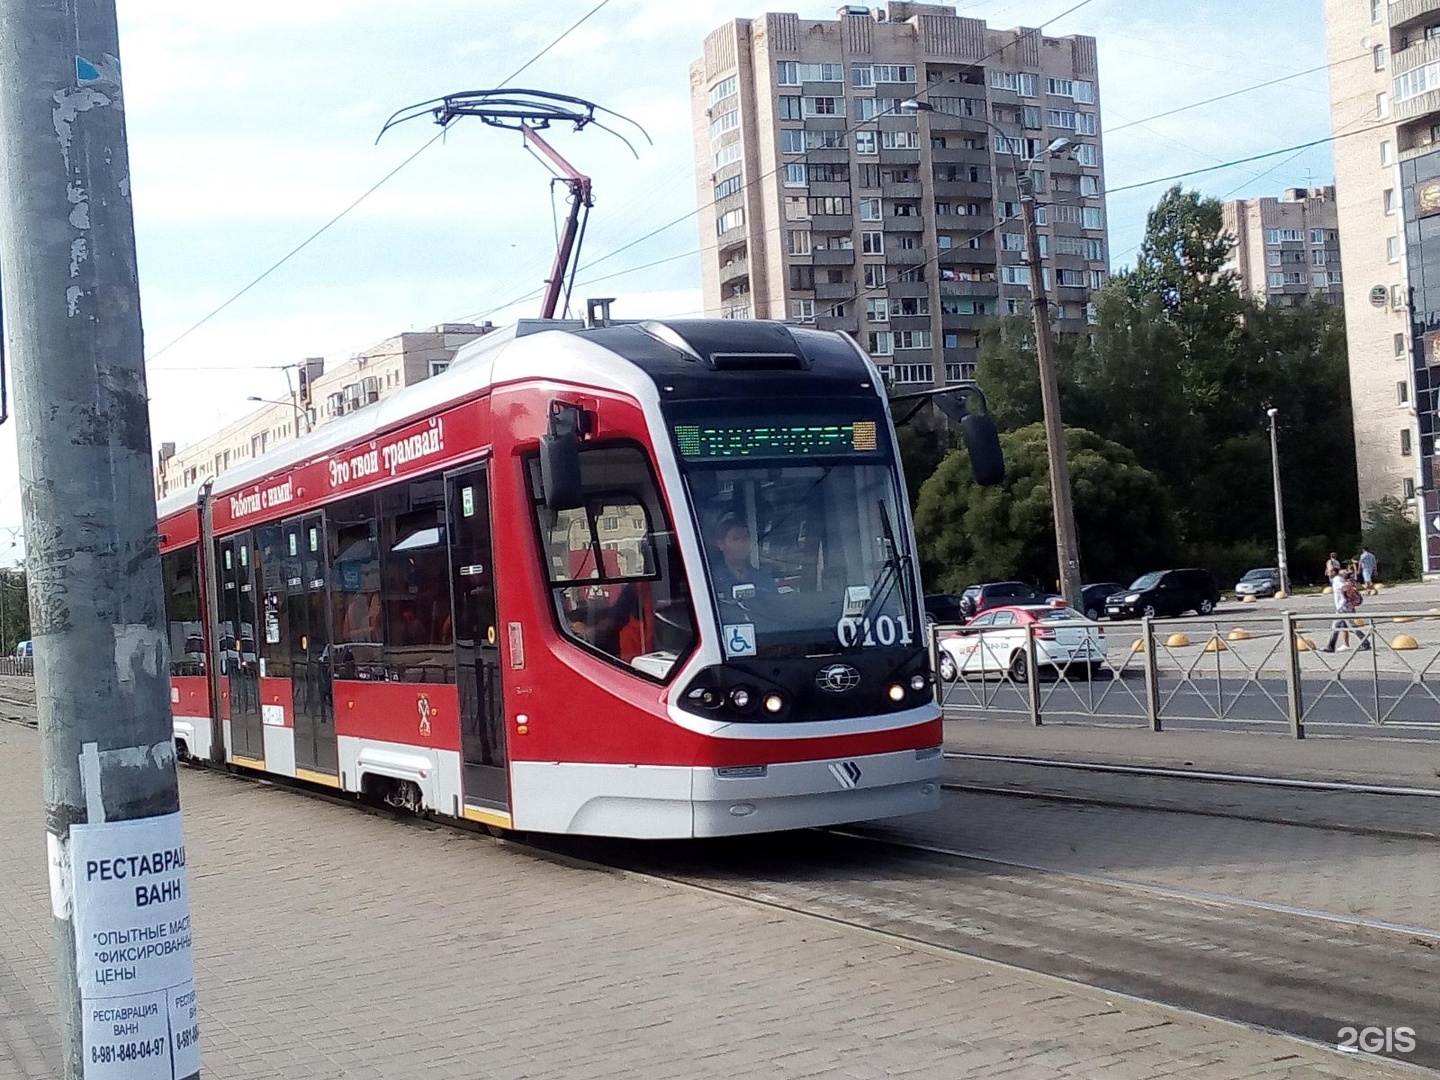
[238,661]
[477,652]
[308,617]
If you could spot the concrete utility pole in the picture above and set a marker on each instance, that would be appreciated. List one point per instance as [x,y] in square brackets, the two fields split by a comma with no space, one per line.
[116,850]
[1281,559]
[1067,545]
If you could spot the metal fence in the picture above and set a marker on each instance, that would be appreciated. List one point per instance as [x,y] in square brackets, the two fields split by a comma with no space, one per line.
[1283,672]
[17,665]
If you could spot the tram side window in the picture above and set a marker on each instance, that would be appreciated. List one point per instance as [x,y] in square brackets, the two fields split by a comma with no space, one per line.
[355,580]
[270,554]
[415,554]
[616,576]
[182,612]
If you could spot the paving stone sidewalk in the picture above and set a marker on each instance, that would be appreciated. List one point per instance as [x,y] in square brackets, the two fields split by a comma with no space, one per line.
[335,944]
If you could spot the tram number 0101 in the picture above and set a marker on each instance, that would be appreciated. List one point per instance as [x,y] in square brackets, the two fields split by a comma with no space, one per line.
[868,633]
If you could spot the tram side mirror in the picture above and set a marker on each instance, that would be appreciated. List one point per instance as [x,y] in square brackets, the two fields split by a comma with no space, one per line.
[982,443]
[560,460]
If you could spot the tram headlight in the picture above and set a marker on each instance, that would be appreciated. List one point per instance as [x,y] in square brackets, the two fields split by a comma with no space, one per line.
[740,697]
[774,703]
[917,683]
[896,692]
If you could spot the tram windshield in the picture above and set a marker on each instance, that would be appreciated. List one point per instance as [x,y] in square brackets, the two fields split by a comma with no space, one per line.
[805,547]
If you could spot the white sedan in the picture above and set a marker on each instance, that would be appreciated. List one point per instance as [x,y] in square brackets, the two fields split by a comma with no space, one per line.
[994,643]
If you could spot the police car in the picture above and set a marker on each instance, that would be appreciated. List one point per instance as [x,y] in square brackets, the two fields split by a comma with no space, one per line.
[994,643]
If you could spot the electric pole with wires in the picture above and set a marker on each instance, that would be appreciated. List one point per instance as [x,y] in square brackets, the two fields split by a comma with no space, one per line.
[71,295]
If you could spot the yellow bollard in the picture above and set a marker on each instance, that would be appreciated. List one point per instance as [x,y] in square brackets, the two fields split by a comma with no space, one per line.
[1403,618]
[1304,644]
[1138,645]
[1403,643]
[1281,594]
[1215,644]
[1176,641]
[1247,599]
[1357,622]
[1239,634]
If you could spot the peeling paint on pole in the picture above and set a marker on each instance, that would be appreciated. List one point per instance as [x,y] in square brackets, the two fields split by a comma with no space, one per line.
[113,838]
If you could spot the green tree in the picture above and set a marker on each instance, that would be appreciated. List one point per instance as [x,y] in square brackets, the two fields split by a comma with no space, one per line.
[1394,536]
[14,609]
[967,533]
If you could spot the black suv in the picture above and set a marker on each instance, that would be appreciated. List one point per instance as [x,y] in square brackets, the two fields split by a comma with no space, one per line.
[943,608]
[978,598]
[1165,592]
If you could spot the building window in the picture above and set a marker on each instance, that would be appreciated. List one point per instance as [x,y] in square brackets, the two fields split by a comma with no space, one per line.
[863,75]
[882,343]
[1397,297]
[911,305]
[874,275]
[877,311]
[1335,277]
[1015,275]
[802,276]
[731,186]
[1399,345]
[913,373]
[870,210]
[790,107]
[797,208]
[1402,393]
[872,243]
[944,242]
[1408,486]
[797,241]
[1374,11]
[865,143]
[1405,442]
[1387,152]
[1086,155]
[1089,185]
[731,219]
[792,141]
[823,106]
[1378,54]
[802,311]
[1272,258]
[795,175]
[1320,280]
[1276,281]
[1090,217]
[1012,241]
[1392,248]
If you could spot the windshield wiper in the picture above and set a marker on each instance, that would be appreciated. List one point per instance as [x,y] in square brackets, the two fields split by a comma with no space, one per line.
[892,570]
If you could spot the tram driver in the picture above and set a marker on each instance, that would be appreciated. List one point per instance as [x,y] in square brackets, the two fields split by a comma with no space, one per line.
[735,577]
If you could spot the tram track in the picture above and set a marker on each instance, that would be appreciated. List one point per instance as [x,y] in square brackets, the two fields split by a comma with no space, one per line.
[1359,809]
[1300,972]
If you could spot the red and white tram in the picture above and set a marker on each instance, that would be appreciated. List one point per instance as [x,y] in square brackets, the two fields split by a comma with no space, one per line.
[650,580]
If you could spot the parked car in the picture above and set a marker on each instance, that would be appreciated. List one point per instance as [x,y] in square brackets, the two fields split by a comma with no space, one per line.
[943,608]
[25,650]
[1092,597]
[1165,592]
[978,598]
[993,643]
[1261,582]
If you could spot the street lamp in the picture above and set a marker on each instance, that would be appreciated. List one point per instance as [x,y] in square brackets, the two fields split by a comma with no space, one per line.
[1279,505]
[299,413]
[1067,545]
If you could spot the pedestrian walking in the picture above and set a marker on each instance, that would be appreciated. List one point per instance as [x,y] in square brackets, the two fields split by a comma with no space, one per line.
[1332,566]
[1368,565]
[1347,599]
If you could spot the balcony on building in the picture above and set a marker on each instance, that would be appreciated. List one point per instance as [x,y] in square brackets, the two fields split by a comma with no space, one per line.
[833,256]
[846,322]
[963,190]
[966,256]
[831,223]
[1421,53]
[834,290]
[1406,16]
[736,268]
[899,157]
[912,223]
[911,190]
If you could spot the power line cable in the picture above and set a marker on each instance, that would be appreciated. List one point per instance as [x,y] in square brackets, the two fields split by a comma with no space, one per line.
[367,193]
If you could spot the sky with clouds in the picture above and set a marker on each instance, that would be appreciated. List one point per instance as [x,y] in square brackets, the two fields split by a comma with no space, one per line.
[251,125]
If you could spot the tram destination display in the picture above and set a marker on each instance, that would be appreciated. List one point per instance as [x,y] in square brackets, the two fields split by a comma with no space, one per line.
[732,442]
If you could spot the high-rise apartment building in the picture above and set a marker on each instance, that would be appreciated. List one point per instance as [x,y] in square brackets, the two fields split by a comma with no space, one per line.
[1286,248]
[1385,113]
[828,200]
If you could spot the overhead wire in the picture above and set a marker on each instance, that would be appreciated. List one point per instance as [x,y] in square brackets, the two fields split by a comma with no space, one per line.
[367,193]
